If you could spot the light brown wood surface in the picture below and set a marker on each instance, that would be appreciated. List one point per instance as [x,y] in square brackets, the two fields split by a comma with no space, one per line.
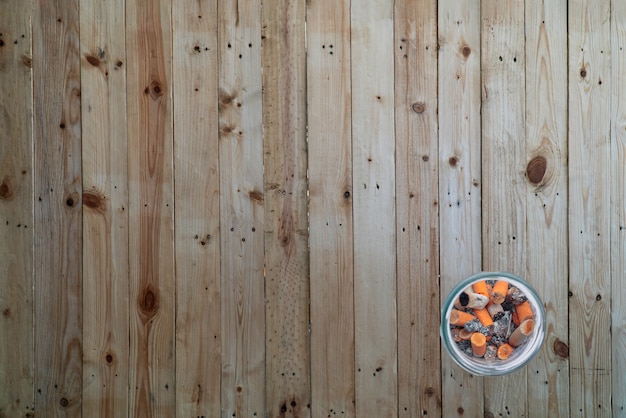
[245,209]
[589,210]
[16,211]
[417,225]
[151,209]
[105,210]
[460,178]
[197,199]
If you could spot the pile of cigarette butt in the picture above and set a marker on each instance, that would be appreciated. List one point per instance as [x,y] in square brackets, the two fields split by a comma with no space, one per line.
[491,319]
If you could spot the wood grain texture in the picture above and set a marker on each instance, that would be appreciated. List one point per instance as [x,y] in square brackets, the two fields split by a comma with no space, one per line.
[546,199]
[105,214]
[417,229]
[151,204]
[618,209]
[373,144]
[286,220]
[241,209]
[329,110]
[58,221]
[503,168]
[16,212]
[197,234]
[589,208]
[460,180]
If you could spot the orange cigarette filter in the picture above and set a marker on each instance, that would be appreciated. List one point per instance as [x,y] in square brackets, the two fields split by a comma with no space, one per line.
[483,316]
[460,318]
[498,293]
[504,351]
[521,333]
[479,344]
[515,319]
[524,311]
[481,287]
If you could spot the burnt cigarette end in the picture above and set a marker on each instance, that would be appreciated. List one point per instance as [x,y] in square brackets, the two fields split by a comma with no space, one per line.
[464,299]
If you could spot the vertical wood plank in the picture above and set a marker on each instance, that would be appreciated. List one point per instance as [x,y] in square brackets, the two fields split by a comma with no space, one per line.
[105,214]
[197,234]
[58,221]
[329,112]
[546,199]
[16,211]
[459,96]
[504,165]
[417,229]
[373,145]
[618,210]
[285,191]
[241,209]
[151,255]
[589,207]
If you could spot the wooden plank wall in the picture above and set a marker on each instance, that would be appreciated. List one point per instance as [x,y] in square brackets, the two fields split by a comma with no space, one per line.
[216,208]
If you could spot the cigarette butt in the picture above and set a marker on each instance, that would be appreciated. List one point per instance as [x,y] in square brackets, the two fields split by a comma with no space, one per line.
[498,293]
[504,351]
[490,352]
[473,300]
[516,296]
[524,311]
[494,309]
[484,317]
[465,334]
[481,287]
[459,317]
[456,334]
[521,333]
[479,344]
[515,319]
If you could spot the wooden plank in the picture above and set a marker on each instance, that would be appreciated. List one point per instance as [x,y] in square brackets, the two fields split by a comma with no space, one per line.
[417,228]
[504,164]
[618,210]
[241,209]
[151,204]
[546,199]
[286,221]
[58,221]
[589,207]
[16,211]
[105,218]
[329,111]
[197,234]
[459,178]
[373,145]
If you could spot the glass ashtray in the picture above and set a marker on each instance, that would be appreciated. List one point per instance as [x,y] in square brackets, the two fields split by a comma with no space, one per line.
[492,323]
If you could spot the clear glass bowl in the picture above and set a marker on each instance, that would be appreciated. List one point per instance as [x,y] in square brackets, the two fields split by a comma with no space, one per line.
[520,356]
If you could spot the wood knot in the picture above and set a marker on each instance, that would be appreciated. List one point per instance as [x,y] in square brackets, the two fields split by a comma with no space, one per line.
[93,201]
[453,161]
[466,51]
[71,200]
[95,61]
[109,358]
[418,107]
[460,410]
[536,169]
[149,302]
[583,72]
[64,402]
[429,391]
[27,61]
[6,191]
[155,90]
[560,348]
[256,196]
